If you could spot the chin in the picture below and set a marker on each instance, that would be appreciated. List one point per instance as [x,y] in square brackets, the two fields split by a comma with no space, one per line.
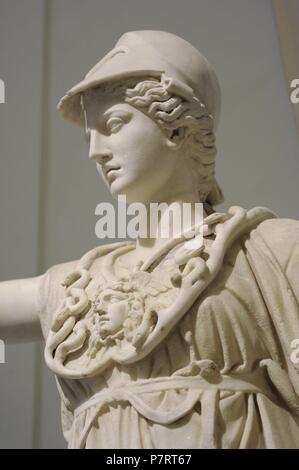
[132,193]
[136,188]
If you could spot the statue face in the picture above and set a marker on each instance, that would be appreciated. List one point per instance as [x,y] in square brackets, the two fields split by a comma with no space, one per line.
[112,309]
[133,155]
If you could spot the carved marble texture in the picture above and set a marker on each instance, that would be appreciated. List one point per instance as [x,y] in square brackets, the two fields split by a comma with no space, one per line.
[218,379]
[153,344]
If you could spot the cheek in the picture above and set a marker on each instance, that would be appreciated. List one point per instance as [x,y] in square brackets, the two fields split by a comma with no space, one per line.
[141,147]
[122,313]
[117,313]
[151,139]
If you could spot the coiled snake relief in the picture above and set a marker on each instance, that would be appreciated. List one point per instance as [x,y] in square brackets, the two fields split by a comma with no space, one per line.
[69,332]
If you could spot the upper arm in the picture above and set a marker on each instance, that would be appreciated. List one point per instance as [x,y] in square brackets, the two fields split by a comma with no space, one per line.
[19,309]
[282,237]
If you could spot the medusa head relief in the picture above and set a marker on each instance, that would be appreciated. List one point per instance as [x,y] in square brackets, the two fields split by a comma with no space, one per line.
[127,309]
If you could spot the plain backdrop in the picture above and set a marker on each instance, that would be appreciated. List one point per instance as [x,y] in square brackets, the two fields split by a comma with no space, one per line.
[49,189]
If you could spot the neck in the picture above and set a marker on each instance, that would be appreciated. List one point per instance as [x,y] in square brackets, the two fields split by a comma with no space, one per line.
[165,220]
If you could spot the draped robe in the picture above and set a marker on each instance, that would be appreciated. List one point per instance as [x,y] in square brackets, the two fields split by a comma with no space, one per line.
[230,384]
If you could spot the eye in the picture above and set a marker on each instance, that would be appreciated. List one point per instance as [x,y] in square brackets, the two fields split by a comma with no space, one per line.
[106,298]
[115,298]
[114,124]
[111,298]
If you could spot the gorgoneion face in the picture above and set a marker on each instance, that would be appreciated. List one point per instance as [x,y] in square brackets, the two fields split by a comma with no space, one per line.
[112,309]
[133,154]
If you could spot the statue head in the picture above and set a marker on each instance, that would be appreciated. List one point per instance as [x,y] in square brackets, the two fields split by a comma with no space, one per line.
[111,308]
[121,306]
[150,108]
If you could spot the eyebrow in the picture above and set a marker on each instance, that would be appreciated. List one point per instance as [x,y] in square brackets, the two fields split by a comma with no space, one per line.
[108,113]
[104,117]
[126,115]
[113,293]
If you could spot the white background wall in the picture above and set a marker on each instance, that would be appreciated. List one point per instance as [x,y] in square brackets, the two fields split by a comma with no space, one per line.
[48,189]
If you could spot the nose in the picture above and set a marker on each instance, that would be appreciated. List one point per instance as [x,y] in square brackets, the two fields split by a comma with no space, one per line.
[98,150]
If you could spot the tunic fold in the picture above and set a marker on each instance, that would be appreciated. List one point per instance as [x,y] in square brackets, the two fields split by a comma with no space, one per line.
[222,378]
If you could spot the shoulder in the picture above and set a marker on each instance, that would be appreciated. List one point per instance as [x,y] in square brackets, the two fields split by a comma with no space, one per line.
[56,275]
[278,239]
[52,284]
[279,229]
[282,238]
[51,291]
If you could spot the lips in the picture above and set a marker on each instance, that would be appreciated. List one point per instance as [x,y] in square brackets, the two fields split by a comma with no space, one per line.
[111,173]
[109,170]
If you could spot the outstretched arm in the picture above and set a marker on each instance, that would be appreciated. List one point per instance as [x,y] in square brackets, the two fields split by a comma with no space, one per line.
[19,319]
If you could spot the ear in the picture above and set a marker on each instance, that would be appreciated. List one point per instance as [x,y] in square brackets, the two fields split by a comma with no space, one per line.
[176,137]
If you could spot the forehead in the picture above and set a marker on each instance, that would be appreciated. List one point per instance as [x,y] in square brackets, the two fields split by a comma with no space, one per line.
[107,292]
[96,105]
[96,97]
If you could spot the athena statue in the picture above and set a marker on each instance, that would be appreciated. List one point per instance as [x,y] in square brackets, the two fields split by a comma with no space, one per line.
[167,342]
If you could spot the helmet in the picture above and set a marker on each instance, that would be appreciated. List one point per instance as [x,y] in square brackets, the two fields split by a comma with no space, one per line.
[150,54]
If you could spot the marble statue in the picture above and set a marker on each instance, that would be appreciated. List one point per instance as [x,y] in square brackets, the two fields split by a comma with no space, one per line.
[153,344]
